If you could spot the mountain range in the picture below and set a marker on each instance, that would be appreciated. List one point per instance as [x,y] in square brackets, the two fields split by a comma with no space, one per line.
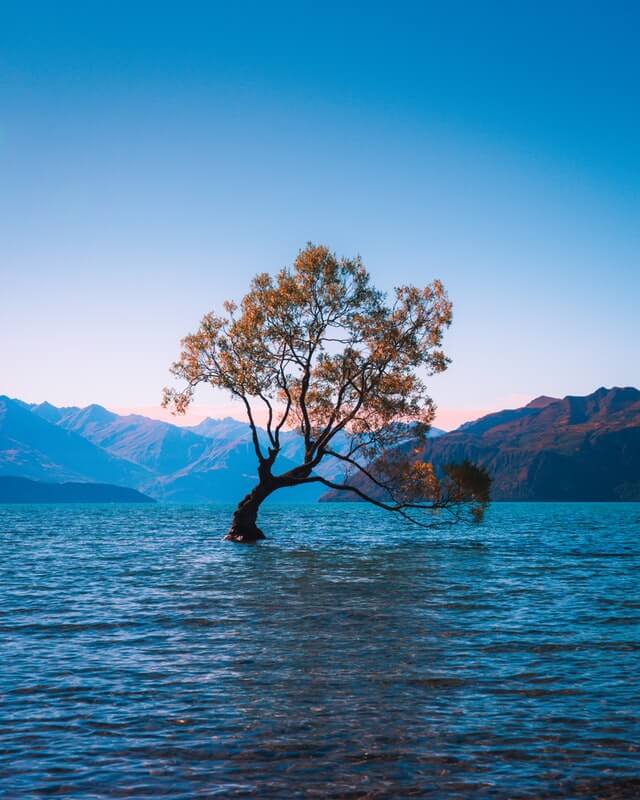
[574,448]
[210,462]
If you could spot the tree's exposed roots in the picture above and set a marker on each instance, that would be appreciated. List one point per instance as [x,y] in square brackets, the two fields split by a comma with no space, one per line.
[245,534]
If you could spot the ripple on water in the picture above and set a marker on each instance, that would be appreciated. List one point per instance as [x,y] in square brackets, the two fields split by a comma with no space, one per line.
[346,656]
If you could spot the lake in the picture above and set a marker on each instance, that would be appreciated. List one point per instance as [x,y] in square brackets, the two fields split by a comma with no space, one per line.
[348,656]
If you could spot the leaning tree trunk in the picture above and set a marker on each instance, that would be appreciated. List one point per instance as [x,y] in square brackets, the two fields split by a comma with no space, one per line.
[243,524]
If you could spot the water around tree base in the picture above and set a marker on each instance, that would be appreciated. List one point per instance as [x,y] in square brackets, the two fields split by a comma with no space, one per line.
[345,656]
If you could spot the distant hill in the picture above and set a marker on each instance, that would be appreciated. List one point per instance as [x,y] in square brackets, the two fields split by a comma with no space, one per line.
[23,490]
[210,462]
[32,447]
[575,448]
[157,446]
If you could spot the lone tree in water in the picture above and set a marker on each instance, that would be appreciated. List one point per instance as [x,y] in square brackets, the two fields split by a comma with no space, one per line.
[320,350]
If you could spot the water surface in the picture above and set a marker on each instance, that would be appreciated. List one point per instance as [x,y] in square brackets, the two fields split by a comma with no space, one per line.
[347,656]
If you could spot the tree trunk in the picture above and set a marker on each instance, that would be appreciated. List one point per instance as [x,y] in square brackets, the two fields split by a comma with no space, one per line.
[243,524]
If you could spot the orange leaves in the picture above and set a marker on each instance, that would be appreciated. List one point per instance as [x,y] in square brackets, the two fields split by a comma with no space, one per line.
[177,401]
[418,482]
[326,352]
[321,336]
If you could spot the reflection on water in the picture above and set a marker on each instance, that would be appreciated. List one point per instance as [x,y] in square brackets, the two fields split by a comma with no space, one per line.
[346,657]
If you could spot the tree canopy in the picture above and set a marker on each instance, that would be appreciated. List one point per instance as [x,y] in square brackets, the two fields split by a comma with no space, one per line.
[319,349]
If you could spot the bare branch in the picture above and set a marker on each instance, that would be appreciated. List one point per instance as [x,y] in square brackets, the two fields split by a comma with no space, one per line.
[325,352]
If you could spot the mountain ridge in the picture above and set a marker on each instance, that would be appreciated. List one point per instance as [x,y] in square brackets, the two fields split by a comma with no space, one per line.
[571,448]
[169,462]
[585,446]
[40,450]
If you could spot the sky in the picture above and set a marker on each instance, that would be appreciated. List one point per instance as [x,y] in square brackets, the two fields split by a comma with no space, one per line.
[155,156]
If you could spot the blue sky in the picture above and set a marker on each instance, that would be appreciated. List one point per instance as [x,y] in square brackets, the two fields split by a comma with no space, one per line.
[153,157]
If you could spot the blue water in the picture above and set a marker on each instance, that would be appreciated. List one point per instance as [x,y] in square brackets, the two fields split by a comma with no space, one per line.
[348,656]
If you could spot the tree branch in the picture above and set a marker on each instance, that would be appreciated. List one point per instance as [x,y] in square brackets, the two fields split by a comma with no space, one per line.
[397,508]
[252,425]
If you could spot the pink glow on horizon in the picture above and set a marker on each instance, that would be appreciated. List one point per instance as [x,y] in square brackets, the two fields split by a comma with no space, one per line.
[446,418]
[195,414]
[451,418]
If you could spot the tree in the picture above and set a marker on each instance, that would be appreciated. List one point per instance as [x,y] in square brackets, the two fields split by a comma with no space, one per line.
[319,349]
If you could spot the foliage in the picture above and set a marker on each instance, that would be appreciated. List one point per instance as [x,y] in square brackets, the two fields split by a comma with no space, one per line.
[324,352]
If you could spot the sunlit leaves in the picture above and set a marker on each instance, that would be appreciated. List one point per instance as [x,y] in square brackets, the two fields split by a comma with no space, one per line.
[324,351]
